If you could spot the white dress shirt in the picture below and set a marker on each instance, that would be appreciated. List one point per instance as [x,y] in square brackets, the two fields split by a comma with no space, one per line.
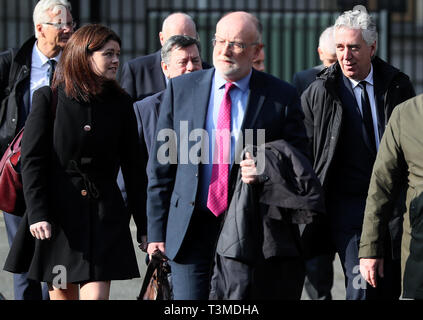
[371,94]
[39,70]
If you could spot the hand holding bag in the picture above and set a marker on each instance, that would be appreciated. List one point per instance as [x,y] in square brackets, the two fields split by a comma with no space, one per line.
[156,284]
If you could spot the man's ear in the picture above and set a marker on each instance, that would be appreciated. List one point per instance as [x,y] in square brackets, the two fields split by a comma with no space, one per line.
[320,52]
[257,50]
[165,69]
[373,49]
[161,37]
[39,28]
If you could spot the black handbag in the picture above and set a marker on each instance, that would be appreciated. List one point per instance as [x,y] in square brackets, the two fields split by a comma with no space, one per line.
[156,284]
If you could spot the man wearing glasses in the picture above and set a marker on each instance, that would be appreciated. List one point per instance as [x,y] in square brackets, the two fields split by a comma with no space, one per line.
[187,201]
[21,73]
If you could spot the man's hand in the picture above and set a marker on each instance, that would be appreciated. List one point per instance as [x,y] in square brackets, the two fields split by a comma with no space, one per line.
[41,230]
[143,245]
[153,246]
[248,169]
[368,269]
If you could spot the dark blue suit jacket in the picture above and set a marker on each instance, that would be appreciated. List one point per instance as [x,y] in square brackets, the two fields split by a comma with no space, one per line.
[172,190]
[143,76]
[147,112]
[304,78]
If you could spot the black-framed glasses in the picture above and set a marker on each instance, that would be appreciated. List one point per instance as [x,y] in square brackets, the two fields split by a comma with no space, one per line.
[60,26]
[233,45]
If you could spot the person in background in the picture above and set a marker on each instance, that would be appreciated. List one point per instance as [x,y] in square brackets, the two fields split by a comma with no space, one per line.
[180,55]
[143,76]
[346,110]
[327,54]
[21,73]
[75,211]
[258,63]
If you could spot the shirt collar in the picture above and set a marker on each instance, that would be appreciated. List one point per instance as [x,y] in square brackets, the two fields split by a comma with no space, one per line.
[39,59]
[242,84]
[369,78]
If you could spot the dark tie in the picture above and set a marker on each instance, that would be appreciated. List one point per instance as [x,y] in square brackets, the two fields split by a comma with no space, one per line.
[367,115]
[52,64]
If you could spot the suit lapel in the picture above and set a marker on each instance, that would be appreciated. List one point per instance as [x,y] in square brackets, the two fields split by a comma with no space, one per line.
[201,94]
[379,90]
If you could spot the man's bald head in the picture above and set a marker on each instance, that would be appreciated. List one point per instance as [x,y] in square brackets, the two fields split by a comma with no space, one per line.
[178,23]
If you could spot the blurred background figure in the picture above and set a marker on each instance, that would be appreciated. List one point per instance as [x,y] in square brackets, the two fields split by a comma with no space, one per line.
[258,63]
[143,76]
[327,55]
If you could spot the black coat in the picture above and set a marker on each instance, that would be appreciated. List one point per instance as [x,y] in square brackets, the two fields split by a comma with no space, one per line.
[69,179]
[323,111]
[262,220]
[15,73]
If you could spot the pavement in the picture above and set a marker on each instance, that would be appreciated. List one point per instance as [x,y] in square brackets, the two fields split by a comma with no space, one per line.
[129,289]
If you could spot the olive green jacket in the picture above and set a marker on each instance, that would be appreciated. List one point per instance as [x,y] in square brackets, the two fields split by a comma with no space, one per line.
[399,164]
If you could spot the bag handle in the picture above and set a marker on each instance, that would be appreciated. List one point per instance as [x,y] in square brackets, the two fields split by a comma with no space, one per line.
[156,258]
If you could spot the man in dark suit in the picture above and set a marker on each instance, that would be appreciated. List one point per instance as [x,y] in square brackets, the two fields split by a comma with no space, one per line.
[346,111]
[29,69]
[319,263]
[327,55]
[143,76]
[180,55]
[192,174]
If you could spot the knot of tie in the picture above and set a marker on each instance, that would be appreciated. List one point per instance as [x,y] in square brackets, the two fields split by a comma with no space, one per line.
[229,86]
[362,85]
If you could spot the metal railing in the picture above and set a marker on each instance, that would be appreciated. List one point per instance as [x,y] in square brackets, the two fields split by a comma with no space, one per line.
[291,27]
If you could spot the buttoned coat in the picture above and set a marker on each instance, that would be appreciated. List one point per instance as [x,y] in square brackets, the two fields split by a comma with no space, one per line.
[69,180]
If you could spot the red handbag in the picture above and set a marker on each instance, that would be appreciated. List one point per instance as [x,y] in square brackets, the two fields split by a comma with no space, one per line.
[11,194]
[11,191]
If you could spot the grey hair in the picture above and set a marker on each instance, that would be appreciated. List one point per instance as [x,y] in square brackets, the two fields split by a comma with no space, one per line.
[40,14]
[176,42]
[358,18]
[327,41]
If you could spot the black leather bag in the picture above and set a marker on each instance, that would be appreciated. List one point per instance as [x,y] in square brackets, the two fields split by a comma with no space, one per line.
[156,284]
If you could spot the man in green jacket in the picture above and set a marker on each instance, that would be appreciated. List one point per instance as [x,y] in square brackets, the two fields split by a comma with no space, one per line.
[398,165]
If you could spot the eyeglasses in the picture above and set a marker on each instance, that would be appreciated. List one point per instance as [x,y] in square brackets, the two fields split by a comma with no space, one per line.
[60,26]
[237,47]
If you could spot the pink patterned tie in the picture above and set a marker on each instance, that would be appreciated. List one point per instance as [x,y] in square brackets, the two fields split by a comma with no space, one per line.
[217,200]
